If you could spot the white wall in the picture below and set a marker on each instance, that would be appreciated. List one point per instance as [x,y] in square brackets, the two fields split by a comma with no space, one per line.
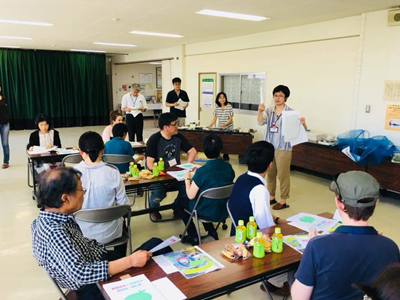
[380,62]
[317,62]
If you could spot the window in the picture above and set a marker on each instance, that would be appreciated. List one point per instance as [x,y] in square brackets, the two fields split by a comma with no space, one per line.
[244,91]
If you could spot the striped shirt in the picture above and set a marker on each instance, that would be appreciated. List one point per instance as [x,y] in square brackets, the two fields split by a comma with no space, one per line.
[276,139]
[65,254]
[222,114]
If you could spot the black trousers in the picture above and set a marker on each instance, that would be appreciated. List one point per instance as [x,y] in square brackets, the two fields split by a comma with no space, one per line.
[135,127]
[180,205]
[92,292]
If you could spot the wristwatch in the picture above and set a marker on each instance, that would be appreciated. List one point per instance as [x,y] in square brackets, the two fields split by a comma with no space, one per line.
[276,221]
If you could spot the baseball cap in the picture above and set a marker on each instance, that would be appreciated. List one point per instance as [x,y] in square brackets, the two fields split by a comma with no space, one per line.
[353,186]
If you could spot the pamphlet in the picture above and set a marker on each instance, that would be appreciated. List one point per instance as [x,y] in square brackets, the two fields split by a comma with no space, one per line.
[307,222]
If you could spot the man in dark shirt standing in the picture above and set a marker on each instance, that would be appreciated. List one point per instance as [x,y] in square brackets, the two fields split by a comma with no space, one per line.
[173,102]
[167,144]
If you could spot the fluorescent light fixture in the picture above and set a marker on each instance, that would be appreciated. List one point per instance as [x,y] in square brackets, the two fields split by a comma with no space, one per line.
[81,50]
[26,22]
[15,37]
[155,63]
[113,44]
[12,47]
[225,14]
[157,34]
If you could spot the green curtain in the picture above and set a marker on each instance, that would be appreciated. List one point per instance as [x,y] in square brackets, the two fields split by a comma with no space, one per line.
[69,87]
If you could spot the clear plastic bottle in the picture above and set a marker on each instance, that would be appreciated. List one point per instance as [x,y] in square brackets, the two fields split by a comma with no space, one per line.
[131,169]
[155,170]
[259,242]
[277,241]
[251,228]
[161,164]
[240,232]
[135,171]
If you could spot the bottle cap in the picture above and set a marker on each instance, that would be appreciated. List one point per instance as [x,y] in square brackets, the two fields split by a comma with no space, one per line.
[135,166]
[277,230]
[259,234]
[251,219]
[241,223]
[155,164]
[161,159]
[131,163]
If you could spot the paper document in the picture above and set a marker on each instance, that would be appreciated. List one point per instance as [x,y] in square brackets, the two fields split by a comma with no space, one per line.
[168,289]
[302,138]
[178,175]
[136,144]
[181,104]
[166,243]
[292,130]
[165,264]
[309,221]
[138,287]
[353,157]
[297,241]
[41,150]
[67,151]
[188,166]
[193,261]
[337,216]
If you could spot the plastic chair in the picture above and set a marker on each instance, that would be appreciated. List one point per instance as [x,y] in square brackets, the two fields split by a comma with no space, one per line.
[68,295]
[218,193]
[107,214]
[72,159]
[117,159]
[230,214]
[127,194]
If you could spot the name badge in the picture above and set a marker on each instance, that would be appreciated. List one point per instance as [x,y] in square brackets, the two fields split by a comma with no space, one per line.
[172,162]
[273,129]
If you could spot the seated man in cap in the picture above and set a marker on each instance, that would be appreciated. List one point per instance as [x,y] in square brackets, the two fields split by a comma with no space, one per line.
[354,253]
[75,262]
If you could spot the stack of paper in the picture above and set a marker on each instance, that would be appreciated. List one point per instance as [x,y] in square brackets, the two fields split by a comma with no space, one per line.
[140,287]
[292,130]
[67,151]
[181,104]
[41,150]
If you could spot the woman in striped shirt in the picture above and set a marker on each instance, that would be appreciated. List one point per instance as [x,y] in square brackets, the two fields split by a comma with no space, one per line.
[223,112]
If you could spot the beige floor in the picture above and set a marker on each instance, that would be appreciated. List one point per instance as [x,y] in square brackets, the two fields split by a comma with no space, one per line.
[20,276]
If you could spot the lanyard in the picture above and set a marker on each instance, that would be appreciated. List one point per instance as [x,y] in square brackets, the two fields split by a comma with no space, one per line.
[134,102]
[274,123]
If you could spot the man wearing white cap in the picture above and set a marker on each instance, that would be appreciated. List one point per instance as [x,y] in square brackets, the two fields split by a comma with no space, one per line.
[354,253]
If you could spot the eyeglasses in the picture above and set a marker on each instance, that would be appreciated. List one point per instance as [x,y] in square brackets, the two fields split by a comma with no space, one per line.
[174,124]
[83,190]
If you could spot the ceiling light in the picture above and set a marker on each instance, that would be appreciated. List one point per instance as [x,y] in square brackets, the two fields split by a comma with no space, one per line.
[157,34]
[26,23]
[81,50]
[155,63]
[15,37]
[14,47]
[113,44]
[224,14]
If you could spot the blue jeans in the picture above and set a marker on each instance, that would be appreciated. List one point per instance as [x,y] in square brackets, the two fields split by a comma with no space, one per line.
[158,195]
[4,132]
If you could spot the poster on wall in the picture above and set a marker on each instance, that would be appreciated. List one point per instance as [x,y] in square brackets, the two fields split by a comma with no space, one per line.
[159,78]
[146,78]
[391,90]
[392,121]
[207,89]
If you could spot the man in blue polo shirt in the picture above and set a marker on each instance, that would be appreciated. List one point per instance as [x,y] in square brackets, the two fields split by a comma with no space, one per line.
[354,254]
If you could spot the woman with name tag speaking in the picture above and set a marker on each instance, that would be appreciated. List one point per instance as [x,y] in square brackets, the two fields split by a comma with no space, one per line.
[134,104]
[272,117]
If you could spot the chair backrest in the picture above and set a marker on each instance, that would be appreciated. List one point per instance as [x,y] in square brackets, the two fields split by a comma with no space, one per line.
[104,214]
[230,214]
[117,158]
[72,159]
[221,192]
[60,291]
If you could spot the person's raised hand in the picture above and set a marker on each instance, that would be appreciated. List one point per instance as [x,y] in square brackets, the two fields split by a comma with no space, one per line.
[139,258]
[261,107]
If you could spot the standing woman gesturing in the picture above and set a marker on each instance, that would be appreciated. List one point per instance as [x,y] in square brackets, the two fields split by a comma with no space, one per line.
[4,131]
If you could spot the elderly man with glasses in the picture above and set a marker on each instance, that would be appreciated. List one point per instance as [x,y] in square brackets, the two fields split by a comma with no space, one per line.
[167,144]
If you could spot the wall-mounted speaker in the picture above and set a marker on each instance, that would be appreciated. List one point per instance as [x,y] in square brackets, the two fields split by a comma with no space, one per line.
[394,17]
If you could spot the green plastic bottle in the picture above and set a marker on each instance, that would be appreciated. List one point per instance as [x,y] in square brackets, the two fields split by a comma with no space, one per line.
[240,232]
[135,171]
[277,241]
[259,242]
[251,228]
[161,164]
[131,169]
[155,170]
